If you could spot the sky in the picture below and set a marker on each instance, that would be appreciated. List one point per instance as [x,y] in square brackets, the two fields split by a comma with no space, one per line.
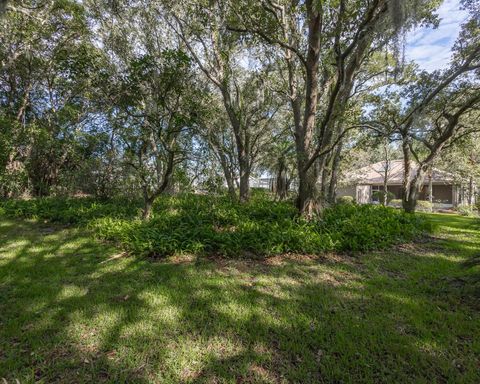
[431,48]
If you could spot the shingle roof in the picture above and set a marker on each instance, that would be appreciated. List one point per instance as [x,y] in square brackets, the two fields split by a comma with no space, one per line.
[374,174]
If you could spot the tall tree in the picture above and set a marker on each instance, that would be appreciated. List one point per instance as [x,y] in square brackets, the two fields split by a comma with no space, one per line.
[153,118]
[243,86]
[323,48]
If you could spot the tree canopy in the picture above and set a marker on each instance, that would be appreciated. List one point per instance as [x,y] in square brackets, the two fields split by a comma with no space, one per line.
[146,97]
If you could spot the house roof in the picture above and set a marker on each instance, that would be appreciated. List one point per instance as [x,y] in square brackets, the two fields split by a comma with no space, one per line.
[375,173]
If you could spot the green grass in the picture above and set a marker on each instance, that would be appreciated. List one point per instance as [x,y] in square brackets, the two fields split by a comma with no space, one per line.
[73,310]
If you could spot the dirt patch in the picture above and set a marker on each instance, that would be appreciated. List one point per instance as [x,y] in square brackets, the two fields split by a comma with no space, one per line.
[278,260]
[181,259]
[423,245]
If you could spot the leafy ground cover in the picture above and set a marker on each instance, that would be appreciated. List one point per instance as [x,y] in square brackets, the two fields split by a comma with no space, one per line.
[76,310]
[216,225]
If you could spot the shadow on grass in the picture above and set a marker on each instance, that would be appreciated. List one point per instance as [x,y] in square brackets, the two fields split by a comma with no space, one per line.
[69,312]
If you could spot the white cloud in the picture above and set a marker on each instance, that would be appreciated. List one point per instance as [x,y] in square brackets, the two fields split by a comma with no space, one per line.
[431,48]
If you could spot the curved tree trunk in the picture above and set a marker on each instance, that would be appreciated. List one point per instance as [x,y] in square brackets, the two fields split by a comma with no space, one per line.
[414,189]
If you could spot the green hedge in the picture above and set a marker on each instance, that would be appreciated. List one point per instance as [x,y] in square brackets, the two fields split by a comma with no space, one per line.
[345,200]
[217,225]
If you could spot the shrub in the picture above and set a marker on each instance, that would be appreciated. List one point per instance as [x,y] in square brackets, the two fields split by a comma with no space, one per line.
[368,227]
[345,200]
[68,210]
[202,224]
[424,206]
[379,195]
[466,210]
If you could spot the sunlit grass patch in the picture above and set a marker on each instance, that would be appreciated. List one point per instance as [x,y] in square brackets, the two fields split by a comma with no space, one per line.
[75,310]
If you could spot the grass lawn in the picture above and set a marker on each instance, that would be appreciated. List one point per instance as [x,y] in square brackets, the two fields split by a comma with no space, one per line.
[73,310]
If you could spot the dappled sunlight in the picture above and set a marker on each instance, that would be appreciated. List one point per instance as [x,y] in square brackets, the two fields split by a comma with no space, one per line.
[129,319]
[70,291]
[401,299]
[15,245]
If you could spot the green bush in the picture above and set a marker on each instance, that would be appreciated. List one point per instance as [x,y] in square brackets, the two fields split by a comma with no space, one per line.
[345,200]
[466,210]
[424,206]
[379,196]
[369,227]
[69,210]
[217,225]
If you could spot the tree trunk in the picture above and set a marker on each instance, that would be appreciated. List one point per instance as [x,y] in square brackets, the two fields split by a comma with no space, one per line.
[244,180]
[231,189]
[307,202]
[281,182]
[406,203]
[307,194]
[430,187]
[332,188]
[149,199]
[414,189]
[228,174]
[385,193]
[147,208]
[410,205]
[322,173]
[471,192]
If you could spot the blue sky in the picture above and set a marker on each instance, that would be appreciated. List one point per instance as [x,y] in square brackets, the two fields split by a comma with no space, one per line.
[431,48]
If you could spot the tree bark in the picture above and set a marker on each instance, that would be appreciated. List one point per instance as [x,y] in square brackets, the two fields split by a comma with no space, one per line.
[244,168]
[307,201]
[228,174]
[471,192]
[281,181]
[332,188]
[242,146]
[414,188]
[307,193]
[430,186]
[149,198]
[406,203]
[147,208]
[385,192]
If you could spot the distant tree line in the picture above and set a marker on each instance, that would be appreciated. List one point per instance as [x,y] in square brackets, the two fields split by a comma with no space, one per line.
[146,97]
